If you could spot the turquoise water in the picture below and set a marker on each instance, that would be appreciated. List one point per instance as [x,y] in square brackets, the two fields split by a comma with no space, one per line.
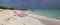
[54,13]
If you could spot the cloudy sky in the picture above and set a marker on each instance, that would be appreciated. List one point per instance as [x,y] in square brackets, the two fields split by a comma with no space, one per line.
[31,3]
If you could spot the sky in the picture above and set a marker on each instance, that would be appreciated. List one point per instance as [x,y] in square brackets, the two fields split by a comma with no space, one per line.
[31,3]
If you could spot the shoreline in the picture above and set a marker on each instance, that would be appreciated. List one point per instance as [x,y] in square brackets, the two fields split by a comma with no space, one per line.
[51,17]
[46,20]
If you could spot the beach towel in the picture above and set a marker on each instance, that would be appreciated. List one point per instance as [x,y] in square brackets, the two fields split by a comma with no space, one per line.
[18,14]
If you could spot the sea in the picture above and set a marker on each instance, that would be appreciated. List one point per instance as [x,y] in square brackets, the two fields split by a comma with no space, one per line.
[52,13]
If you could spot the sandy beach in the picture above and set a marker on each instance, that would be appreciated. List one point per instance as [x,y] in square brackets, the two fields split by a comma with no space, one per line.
[8,18]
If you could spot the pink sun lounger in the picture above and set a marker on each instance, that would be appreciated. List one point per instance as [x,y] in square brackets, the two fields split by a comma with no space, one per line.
[18,14]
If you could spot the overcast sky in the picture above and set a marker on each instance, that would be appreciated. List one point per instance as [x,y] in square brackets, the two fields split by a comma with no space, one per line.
[31,3]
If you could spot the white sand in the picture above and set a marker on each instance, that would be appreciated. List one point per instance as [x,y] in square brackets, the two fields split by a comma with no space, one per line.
[7,18]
